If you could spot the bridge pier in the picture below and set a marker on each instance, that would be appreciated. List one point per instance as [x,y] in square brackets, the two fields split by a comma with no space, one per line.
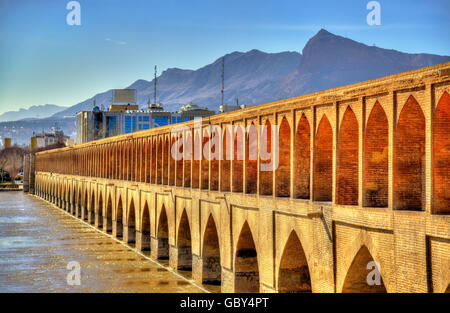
[91,217]
[84,213]
[107,224]
[142,241]
[98,221]
[129,234]
[207,270]
[117,229]
[180,257]
[160,248]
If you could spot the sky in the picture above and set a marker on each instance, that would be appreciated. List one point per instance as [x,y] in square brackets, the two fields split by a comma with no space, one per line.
[43,60]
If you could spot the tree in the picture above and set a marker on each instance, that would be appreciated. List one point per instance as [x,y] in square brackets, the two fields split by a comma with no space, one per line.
[11,160]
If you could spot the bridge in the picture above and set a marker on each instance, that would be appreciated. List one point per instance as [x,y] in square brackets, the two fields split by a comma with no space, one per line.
[356,199]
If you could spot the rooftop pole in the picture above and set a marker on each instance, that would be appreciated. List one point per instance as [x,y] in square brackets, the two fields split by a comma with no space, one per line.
[155,86]
[223,77]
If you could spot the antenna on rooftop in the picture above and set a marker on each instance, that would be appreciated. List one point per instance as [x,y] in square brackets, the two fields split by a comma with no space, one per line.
[155,84]
[223,77]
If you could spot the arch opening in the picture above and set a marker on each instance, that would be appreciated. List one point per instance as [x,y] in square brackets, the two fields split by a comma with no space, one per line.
[376,158]
[441,169]
[108,216]
[356,280]
[166,160]
[283,172]
[294,275]
[85,212]
[91,217]
[266,158]
[99,216]
[196,161]
[246,263]
[238,164]
[163,235]
[347,166]
[211,266]
[145,229]
[323,161]
[119,218]
[226,161]
[205,160]
[409,158]
[251,160]
[131,224]
[184,245]
[302,159]
[179,164]
[187,155]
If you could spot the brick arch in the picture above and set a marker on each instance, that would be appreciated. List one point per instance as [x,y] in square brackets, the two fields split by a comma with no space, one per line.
[283,171]
[86,204]
[165,156]
[251,160]
[441,172]
[100,210]
[145,228]
[108,215]
[266,177]
[73,193]
[376,146]
[215,157]
[187,157]
[159,163]
[131,223]
[178,174]
[226,160]
[196,163]
[211,269]
[238,159]
[302,159]
[184,243]
[347,163]
[246,262]
[293,273]
[119,217]
[204,175]
[409,158]
[163,234]
[154,161]
[79,203]
[323,161]
[357,274]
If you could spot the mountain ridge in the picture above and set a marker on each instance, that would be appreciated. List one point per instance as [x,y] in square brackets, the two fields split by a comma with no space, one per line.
[33,112]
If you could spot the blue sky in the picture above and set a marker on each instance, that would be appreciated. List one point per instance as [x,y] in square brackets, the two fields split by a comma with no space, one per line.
[44,60]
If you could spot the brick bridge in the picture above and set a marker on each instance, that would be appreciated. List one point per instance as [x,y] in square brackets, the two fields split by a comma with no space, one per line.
[363,175]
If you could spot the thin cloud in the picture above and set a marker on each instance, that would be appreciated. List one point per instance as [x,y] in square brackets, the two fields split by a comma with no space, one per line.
[116,42]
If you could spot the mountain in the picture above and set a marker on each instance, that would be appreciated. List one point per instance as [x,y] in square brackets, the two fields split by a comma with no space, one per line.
[255,77]
[330,61]
[35,111]
[246,77]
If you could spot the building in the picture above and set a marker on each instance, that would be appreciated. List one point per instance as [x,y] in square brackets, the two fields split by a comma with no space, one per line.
[229,108]
[46,139]
[125,119]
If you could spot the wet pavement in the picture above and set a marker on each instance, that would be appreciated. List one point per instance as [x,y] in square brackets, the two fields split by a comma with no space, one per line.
[39,240]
